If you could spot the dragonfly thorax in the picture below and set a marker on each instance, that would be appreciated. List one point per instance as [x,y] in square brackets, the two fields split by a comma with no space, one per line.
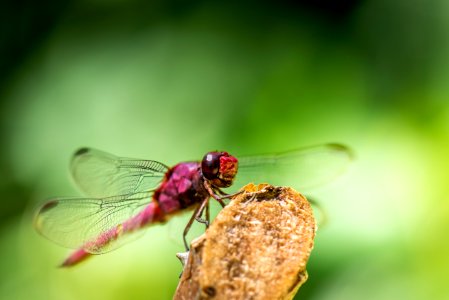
[219,168]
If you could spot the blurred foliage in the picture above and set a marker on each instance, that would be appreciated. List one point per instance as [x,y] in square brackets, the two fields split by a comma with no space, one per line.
[170,80]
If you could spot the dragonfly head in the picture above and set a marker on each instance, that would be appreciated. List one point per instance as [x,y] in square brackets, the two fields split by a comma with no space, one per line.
[219,168]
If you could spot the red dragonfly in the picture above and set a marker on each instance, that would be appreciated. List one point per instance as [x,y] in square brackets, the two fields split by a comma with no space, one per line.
[124,195]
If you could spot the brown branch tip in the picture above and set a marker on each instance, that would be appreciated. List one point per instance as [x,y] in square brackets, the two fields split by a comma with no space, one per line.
[256,248]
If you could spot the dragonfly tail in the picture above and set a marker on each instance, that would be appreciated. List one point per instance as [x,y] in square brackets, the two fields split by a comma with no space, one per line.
[75,258]
[150,215]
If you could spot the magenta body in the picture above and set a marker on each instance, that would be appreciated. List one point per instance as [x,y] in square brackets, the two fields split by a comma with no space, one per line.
[182,187]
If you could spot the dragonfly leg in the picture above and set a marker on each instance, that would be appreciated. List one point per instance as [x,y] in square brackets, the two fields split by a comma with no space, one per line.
[187,228]
[195,216]
[204,221]
[212,193]
[207,220]
[207,214]
[228,196]
[222,193]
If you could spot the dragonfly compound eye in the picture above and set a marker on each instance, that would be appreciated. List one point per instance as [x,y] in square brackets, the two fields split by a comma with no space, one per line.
[220,168]
[210,165]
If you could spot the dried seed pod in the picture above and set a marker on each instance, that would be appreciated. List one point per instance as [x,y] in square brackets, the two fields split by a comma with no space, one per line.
[256,248]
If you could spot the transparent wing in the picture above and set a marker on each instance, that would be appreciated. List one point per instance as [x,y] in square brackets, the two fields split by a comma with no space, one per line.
[96,225]
[301,168]
[99,174]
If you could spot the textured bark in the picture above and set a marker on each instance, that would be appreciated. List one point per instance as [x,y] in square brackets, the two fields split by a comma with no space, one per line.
[256,248]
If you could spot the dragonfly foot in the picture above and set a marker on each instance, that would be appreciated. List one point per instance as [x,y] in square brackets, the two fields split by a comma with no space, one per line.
[201,220]
[228,196]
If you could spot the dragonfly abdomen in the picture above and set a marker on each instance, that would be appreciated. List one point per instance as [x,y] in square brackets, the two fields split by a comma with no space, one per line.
[150,215]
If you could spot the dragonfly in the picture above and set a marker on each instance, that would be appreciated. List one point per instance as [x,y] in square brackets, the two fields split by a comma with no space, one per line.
[123,195]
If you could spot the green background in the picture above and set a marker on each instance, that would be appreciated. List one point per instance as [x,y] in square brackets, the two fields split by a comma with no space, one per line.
[171,80]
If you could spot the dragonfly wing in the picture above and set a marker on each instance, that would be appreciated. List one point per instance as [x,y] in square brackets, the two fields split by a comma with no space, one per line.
[301,168]
[99,174]
[96,225]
